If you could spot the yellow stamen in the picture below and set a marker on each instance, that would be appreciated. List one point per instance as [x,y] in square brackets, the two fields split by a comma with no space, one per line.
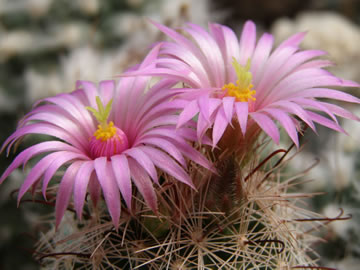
[105,133]
[242,91]
[105,130]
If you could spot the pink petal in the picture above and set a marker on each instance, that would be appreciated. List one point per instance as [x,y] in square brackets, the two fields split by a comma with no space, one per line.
[64,192]
[242,111]
[90,90]
[167,147]
[292,41]
[214,105]
[151,57]
[193,154]
[247,42]
[165,108]
[325,122]
[220,125]
[94,189]
[296,110]
[261,54]
[271,71]
[165,119]
[156,96]
[297,59]
[204,107]
[144,184]
[82,179]
[71,105]
[61,158]
[168,165]
[232,47]
[228,105]
[181,40]
[32,151]
[36,172]
[314,104]
[135,94]
[55,115]
[144,161]
[163,72]
[229,46]
[121,170]
[319,63]
[337,110]
[202,127]
[185,63]
[78,100]
[106,90]
[188,113]
[44,129]
[327,93]
[301,81]
[211,51]
[267,125]
[286,121]
[202,124]
[120,107]
[107,181]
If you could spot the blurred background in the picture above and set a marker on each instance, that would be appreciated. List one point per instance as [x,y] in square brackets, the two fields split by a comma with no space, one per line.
[46,45]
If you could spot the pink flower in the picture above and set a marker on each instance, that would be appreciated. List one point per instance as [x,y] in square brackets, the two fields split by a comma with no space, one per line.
[108,135]
[247,80]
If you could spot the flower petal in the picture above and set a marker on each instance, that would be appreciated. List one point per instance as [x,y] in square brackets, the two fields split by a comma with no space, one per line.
[60,160]
[242,111]
[228,105]
[94,189]
[296,110]
[45,129]
[168,165]
[64,192]
[194,155]
[292,41]
[144,161]
[267,125]
[36,172]
[220,125]
[121,170]
[81,182]
[167,147]
[261,54]
[188,113]
[247,42]
[326,122]
[34,150]
[204,107]
[327,93]
[107,181]
[211,51]
[143,183]
[106,89]
[337,110]
[229,46]
[286,121]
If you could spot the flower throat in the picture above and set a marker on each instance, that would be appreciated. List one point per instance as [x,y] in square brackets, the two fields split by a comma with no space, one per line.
[242,91]
[107,140]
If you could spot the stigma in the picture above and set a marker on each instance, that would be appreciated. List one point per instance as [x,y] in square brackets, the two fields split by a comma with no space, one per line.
[242,90]
[107,140]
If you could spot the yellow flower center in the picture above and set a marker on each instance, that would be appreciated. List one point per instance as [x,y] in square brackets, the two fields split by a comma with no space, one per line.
[105,130]
[108,140]
[242,91]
